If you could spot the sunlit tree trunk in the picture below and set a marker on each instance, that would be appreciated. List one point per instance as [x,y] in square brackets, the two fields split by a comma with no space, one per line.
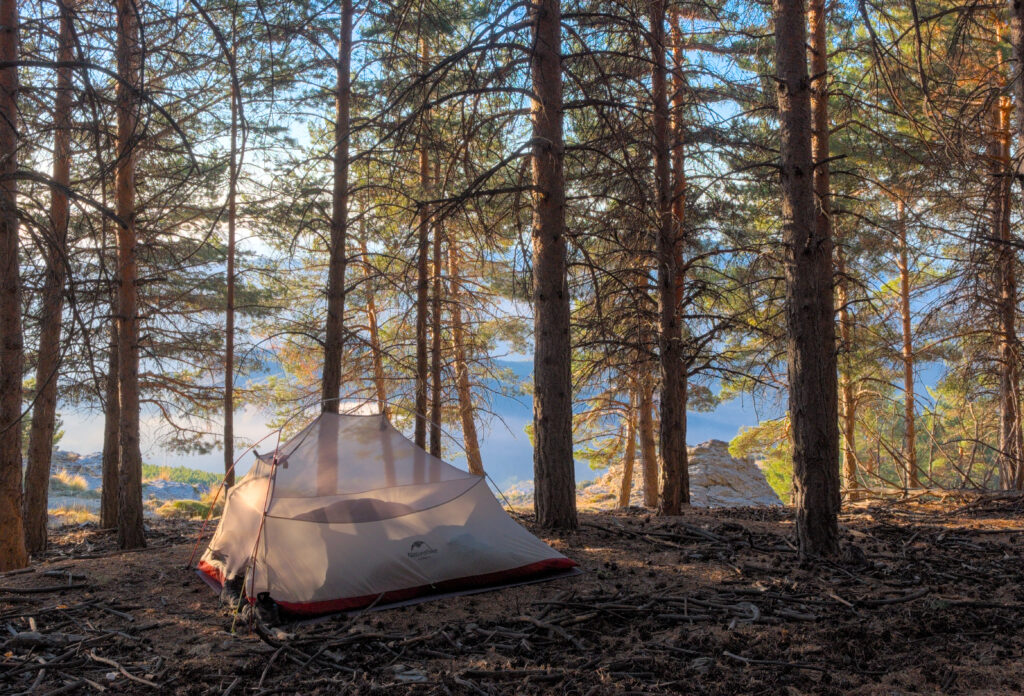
[435,345]
[648,440]
[1013,426]
[673,427]
[467,414]
[111,438]
[12,539]
[810,320]
[911,476]
[848,401]
[229,314]
[379,381]
[40,441]
[629,454]
[334,340]
[422,275]
[1011,448]
[130,533]
[553,469]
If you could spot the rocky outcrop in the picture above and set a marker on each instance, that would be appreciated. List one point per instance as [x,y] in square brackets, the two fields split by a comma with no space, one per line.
[717,479]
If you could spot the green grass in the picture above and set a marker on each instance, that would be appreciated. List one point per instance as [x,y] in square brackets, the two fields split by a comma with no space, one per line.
[180,474]
[190,509]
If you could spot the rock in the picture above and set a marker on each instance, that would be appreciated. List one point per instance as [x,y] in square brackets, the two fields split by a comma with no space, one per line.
[717,479]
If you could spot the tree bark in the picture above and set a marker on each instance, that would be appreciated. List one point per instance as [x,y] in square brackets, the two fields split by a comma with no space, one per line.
[422,274]
[334,339]
[111,438]
[229,314]
[12,540]
[130,532]
[553,468]
[435,346]
[1011,440]
[470,441]
[377,356]
[683,244]
[44,411]
[673,424]
[629,455]
[810,320]
[911,472]
[648,440]
[848,401]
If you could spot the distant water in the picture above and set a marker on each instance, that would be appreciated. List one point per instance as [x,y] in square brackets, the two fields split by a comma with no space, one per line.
[505,447]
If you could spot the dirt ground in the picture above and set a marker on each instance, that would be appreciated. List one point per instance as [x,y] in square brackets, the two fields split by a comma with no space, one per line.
[926,599]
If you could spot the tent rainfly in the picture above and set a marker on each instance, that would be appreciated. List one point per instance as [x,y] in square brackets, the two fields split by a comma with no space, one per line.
[350,513]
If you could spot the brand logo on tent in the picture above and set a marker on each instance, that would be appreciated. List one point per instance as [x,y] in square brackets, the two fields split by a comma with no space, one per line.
[421,549]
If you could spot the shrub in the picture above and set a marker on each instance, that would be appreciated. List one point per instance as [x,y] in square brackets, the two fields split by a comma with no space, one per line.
[73,514]
[191,509]
[65,483]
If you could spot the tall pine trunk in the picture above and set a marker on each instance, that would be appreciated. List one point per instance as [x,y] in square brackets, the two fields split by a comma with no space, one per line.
[12,540]
[648,440]
[810,320]
[377,356]
[553,469]
[673,425]
[130,532]
[683,244]
[229,314]
[435,345]
[1017,89]
[40,441]
[422,274]
[848,401]
[467,415]
[334,338]
[911,476]
[1011,448]
[111,437]
[629,453]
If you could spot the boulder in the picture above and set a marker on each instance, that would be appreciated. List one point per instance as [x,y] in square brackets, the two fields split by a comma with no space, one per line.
[717,479]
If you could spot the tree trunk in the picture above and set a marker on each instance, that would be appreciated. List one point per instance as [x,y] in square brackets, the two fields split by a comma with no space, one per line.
[130,532]
[435,346]
[673,425]
[462,384]
[334,339]
[553,469]
[379,381]
[648,441]
[911,476]
[848,410]
[12,540]
[810,320]
[629,455]
[229,314]
[1013,427]
[422,273]
[679,220]
[111,438]
[1011,441]
[40,441]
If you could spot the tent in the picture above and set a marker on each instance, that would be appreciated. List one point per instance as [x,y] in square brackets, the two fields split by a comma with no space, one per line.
[350,513]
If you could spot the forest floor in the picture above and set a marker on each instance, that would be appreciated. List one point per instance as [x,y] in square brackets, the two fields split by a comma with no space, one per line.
[926,599]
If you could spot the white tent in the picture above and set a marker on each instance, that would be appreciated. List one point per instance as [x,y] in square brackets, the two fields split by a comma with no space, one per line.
[350,512]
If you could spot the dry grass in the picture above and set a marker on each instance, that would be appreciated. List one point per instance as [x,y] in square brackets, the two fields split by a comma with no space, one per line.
[72,514]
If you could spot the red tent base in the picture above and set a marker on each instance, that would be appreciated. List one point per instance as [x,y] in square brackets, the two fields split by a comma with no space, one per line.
[542,571]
